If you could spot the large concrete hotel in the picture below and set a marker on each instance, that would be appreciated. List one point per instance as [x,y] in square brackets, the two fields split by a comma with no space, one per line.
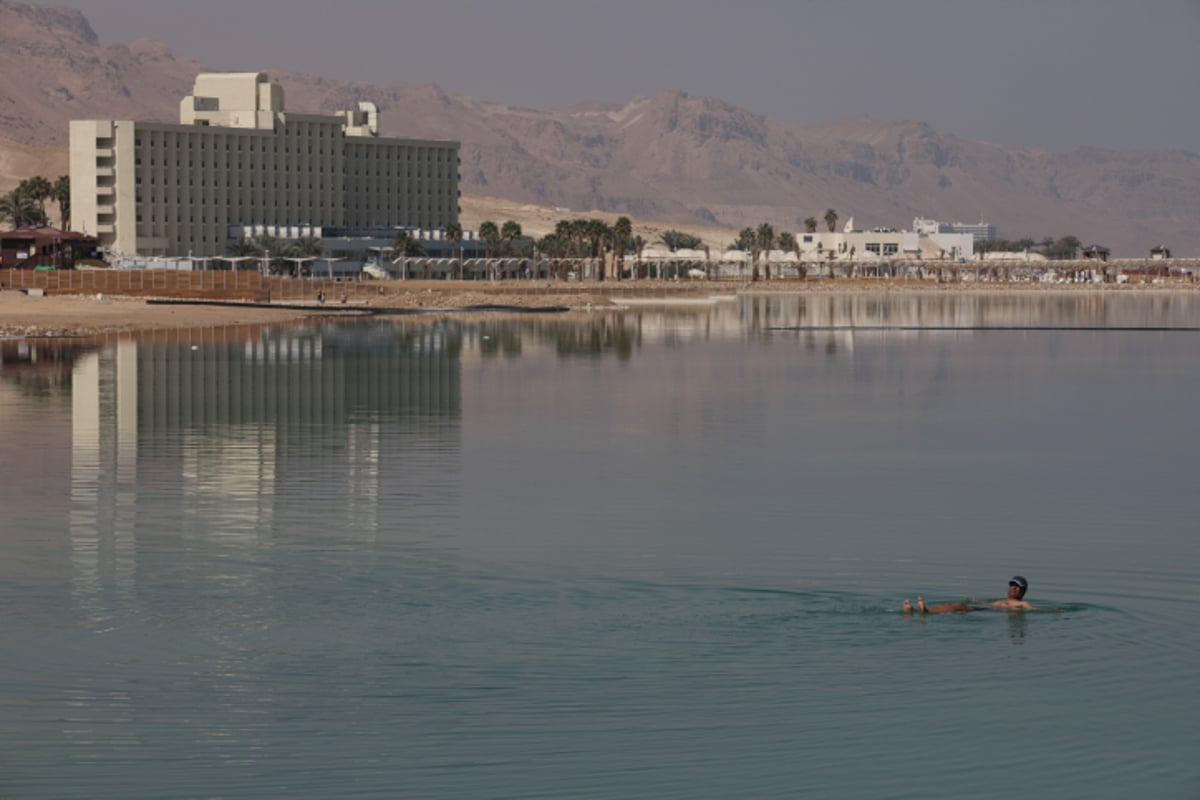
[238,163]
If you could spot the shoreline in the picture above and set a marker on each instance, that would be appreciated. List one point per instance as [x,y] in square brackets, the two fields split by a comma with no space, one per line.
[66,315]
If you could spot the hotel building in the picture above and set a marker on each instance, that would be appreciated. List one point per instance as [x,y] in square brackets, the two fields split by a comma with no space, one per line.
[237,160]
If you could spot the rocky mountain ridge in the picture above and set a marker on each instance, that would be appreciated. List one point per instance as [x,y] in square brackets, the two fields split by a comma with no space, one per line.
[671,157]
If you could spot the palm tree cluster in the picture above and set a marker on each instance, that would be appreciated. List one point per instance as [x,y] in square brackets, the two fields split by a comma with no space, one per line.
[759,242]
[25,206]
[405,245]
[498,240]
[278,250]
[677,240]
[592,239]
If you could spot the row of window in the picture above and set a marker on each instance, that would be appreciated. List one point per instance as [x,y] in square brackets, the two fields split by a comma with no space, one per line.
[325,193]
[410,176]
[380,152]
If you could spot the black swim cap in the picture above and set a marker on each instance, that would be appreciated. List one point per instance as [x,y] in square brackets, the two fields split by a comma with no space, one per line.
[1019,582]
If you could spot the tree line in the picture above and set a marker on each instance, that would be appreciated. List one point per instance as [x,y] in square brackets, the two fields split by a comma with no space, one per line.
[25,206]
[595,238]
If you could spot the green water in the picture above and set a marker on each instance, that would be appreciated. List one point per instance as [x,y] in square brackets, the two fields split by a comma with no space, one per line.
[655,554]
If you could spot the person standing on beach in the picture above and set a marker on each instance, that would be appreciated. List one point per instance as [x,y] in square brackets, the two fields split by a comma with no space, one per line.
[1015,601]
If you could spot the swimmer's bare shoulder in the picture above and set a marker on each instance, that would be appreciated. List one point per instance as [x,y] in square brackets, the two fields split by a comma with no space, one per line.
[1013,605]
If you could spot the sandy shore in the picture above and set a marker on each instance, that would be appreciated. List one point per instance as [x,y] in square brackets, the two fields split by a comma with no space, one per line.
[63,315]
[74,316]
[84,315]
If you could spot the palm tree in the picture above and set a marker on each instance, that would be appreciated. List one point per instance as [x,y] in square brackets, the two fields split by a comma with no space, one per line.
[596,231]
[454,235]
[490,234]
[622,230]
[786,241]
[308,247]
[405,245]
[39,190]
[766,241]
[21,209]
[678,240]
[567,232]
[246,248]
[61,194]
[639,244]
[831,218]
[810,225]
[510,231]
[751,236]
[579,232]
[556,247]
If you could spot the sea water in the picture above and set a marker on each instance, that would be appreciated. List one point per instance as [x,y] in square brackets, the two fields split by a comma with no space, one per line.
[656,553]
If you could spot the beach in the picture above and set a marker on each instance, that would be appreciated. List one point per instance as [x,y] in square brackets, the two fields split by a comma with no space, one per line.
[72,315]
[83,315]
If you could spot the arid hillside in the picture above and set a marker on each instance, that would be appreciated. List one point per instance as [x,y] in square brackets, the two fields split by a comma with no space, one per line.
[671,158]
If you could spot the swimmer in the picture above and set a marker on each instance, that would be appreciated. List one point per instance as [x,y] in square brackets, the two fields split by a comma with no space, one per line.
[1015,601]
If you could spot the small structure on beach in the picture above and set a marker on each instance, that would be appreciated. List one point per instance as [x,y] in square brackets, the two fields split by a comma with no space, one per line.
[47,248]
[1096,252]
[1160,253]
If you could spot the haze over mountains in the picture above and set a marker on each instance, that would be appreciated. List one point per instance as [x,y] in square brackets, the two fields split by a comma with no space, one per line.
[671,157]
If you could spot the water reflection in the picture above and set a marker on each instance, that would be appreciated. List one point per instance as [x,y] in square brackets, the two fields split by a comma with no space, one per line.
[437,550]
[823,322]
[358,426]
[1018,625]
[38,368]
[250,436]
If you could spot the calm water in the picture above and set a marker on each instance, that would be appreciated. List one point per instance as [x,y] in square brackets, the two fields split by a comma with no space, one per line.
[655,555]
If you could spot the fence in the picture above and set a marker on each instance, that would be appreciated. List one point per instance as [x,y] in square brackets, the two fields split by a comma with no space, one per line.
[208,284]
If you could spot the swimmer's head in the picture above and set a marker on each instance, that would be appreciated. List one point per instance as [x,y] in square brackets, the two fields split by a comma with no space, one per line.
[1020,584]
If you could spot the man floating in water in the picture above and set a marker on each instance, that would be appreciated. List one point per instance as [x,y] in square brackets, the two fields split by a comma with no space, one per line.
[1014,602]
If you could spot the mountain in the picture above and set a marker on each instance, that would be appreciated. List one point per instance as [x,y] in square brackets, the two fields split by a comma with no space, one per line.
[671,157]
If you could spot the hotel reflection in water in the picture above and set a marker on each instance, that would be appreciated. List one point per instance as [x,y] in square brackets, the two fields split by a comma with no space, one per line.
[366,421]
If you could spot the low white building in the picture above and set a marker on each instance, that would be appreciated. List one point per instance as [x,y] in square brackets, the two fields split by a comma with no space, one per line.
[881,244]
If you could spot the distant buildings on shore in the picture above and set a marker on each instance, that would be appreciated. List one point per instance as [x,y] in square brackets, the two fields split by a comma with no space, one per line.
[239,161]
[980,231]
[851,244]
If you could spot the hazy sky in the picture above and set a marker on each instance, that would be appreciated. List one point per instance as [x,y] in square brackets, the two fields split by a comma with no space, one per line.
[1043,73]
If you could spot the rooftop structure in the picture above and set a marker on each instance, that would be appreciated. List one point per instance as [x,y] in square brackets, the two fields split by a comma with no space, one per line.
[980,231]
[238,158]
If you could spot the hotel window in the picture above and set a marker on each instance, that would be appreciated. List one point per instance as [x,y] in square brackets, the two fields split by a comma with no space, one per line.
[873,247]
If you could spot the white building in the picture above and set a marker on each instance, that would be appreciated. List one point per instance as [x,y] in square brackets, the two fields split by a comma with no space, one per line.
[881,244]
[981,231]
[237,158]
